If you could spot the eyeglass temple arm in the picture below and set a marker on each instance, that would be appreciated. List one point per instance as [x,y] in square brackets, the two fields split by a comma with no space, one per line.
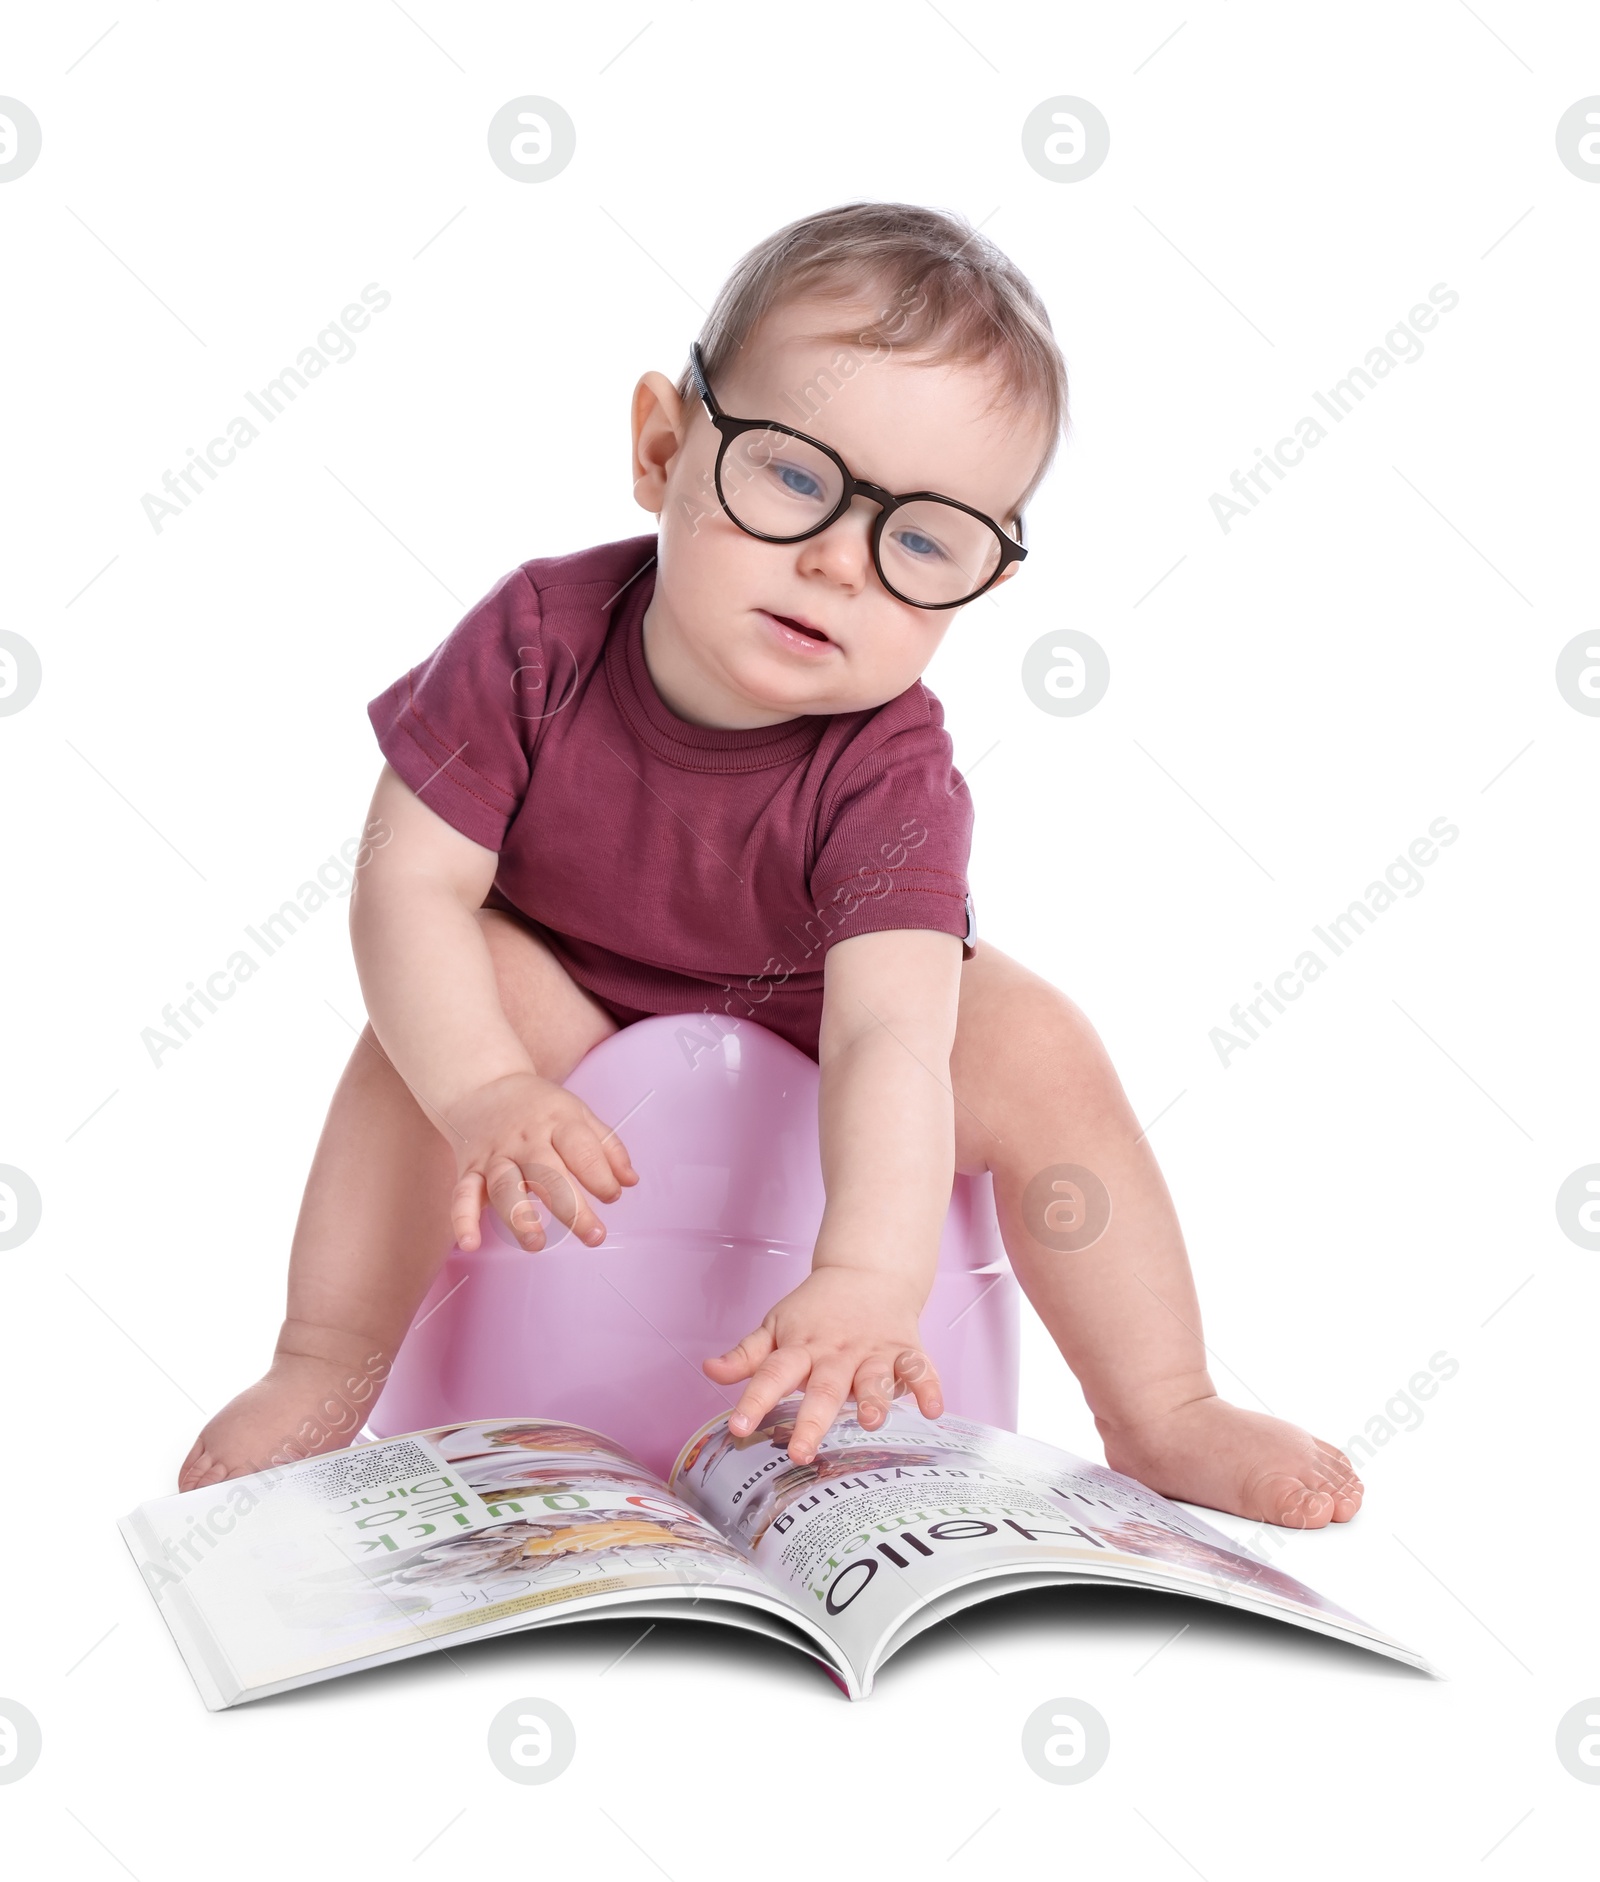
[697,367]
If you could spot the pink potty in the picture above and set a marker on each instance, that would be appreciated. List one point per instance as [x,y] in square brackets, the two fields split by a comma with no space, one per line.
[720,1119]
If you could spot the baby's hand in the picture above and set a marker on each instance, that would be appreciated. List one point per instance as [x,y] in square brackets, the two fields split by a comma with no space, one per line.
[843,1332]
[525,1134]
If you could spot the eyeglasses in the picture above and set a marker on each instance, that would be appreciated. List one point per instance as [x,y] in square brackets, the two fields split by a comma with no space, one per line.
[781,486]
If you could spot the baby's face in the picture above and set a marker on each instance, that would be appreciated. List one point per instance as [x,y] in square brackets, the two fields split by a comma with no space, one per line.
[713,629]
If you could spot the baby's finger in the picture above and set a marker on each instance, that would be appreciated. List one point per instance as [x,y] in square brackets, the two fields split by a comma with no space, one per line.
[818,1409]
[467,1202]
[778,1374]
[921,1376]
[738,1362]
[560,1195]
[616,1152]
[874,1391]
[580,1151]
[509,1194]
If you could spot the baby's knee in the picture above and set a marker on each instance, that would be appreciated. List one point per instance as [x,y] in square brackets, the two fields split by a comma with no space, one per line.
[1068,1030]
[1022,1010]
[1049,1036]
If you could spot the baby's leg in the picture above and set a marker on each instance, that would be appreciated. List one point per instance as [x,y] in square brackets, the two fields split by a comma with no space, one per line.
[374,1226]
[1034,1089]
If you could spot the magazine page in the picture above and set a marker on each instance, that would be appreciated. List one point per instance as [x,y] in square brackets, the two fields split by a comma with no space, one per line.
[373,1553]
[884,1523]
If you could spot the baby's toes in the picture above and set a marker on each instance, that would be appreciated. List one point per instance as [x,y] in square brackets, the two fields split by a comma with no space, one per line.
[1334,1461]
[1345,1497]
[200,1468]
[1292,1502]
[1337,1476]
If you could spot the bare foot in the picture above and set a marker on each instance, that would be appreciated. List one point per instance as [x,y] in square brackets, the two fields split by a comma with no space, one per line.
[1223,1457]
[300,1408]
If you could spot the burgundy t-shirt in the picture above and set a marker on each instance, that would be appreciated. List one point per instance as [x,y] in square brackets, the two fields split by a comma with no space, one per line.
[671,867]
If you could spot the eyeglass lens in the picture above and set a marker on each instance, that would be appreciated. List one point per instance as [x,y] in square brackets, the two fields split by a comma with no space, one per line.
[930,552]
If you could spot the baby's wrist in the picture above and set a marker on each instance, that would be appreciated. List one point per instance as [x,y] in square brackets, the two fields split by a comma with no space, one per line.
[895,1268]
[458,1093]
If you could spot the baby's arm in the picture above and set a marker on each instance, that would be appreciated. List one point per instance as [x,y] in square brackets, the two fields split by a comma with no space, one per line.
[430,992]
[887,1124]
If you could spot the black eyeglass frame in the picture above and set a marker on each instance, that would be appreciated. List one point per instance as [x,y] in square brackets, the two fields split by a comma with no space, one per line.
[729,428]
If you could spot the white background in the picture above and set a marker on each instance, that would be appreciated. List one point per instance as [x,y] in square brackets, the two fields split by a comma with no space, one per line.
[1369,1184]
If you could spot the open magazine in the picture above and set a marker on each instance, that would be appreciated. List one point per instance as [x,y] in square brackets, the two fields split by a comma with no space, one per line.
[468,1531]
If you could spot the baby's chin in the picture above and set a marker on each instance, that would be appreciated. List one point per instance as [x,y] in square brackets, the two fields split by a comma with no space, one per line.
[771,681]
[836,683]
[794,702]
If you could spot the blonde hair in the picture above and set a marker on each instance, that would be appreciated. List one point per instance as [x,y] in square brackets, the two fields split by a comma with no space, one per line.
[941,288]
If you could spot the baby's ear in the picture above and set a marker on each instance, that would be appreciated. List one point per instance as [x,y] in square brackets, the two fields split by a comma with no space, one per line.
[658,426]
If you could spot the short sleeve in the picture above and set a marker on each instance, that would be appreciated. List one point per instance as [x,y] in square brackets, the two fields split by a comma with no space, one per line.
[897,837]
[457,728]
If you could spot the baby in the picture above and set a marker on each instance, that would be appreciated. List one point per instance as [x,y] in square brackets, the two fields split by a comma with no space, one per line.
[698,771]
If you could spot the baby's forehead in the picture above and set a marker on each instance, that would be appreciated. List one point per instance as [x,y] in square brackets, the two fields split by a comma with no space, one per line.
[906,418]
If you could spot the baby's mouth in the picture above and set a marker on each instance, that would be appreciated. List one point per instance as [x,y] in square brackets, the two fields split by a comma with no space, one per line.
[799,627]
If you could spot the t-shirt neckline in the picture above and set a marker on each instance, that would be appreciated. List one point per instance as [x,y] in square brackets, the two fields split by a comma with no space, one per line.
[691,747]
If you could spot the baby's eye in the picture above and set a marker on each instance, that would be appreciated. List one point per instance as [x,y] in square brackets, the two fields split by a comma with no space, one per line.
[798,481]
[923,547]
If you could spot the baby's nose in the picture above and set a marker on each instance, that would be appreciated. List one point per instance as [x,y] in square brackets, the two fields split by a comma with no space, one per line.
[843,552]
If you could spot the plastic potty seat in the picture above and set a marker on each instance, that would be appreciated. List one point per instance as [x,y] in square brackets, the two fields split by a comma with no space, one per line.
[720,1120]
